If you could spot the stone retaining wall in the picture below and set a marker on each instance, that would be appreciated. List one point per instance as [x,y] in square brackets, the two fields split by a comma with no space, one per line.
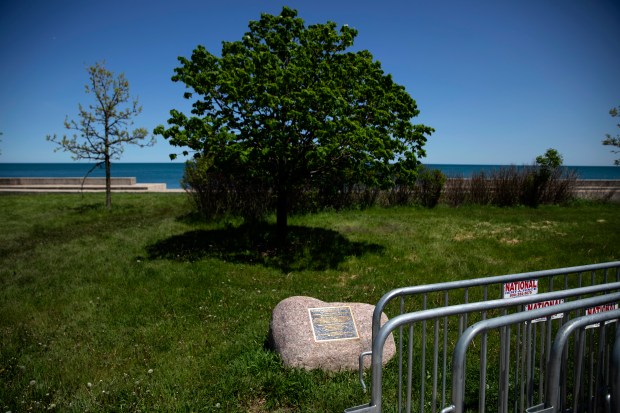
[66,181]
[69,185]
[598,189]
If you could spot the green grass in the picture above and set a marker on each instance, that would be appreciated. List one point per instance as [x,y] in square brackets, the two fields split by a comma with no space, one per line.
[146,309]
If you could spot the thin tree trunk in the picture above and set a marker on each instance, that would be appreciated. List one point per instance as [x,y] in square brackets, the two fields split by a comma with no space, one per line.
[108,183]
[108,173]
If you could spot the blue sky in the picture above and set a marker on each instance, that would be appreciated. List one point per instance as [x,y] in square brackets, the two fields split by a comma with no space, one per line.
[500,81]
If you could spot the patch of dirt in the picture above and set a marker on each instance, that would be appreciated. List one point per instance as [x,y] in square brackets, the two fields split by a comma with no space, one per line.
[463,237]
[345,278]
[509,241]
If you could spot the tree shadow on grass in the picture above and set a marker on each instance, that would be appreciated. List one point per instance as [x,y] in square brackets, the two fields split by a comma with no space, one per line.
[305,248]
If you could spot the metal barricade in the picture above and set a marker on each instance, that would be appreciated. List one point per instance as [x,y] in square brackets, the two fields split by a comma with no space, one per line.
[615,374]
[503,325]
[573,276]
[446,322]
[593,369]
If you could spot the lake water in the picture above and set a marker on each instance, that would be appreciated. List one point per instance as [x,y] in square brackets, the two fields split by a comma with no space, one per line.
[171,173]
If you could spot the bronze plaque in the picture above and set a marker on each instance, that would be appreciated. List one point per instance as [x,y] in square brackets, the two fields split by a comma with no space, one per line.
[332,323]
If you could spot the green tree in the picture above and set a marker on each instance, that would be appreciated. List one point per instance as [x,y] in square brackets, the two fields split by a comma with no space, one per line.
[613,140]
[538,181]
[103,127]
[288,106]
[550,160]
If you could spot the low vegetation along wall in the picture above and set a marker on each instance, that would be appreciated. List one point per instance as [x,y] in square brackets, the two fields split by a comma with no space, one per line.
[596,189]
[585,189]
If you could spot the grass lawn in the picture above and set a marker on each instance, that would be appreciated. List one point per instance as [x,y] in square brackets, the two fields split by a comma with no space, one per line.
[146,309]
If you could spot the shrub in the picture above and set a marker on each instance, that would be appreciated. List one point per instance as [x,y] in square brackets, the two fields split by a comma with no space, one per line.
[507,186]
[557,183]
[216,194]
[510,186]
[399,195]
[429,185]
[456,191]
[560,187]
[480,191]
[332,195]
[534,181]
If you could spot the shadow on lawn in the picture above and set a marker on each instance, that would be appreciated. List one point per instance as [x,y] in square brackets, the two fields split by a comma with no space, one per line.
[305,249]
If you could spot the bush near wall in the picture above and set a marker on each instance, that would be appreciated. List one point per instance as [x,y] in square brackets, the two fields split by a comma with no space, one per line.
[216,195]
[430,184]
[510,186]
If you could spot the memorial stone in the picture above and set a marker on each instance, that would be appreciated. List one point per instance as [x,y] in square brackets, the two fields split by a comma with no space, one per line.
[309,333]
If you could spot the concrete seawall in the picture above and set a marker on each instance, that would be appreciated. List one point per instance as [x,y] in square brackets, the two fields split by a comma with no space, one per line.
[598,189]
[65,181]
[70,185]
[590,189]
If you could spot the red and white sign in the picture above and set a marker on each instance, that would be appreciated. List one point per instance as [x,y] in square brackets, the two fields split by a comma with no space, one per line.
[520,288]
[601,309]
[544,304]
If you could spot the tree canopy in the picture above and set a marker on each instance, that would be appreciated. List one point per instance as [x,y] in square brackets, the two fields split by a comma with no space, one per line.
[613,140]
[103,128]
[289,105]
[551,159]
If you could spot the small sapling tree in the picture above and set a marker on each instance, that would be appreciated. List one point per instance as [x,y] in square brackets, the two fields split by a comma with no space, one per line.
[102,129]
[287,106]
[540,181]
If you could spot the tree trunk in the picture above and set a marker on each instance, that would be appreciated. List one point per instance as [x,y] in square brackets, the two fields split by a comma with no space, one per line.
[108,183]
[282,216]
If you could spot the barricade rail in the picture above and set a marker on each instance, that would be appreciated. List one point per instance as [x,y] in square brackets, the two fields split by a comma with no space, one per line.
[606,372]
[439,313]
[556,361]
